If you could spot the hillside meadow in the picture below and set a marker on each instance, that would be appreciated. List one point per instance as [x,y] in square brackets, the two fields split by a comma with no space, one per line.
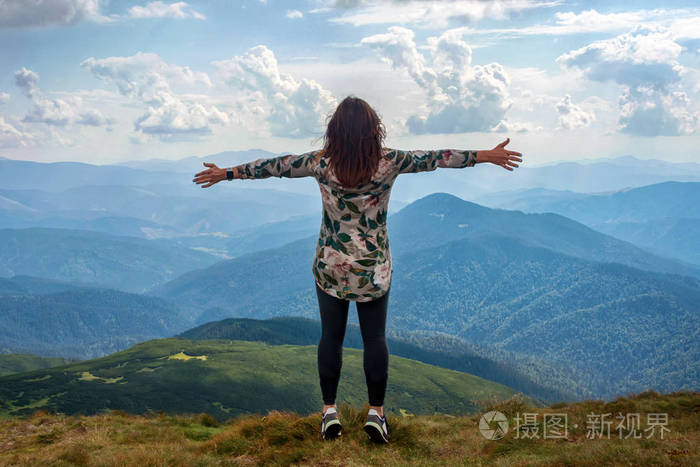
[225,378]
[116,438]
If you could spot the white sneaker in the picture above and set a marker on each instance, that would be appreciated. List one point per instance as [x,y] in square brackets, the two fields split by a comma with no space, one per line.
[377,427]
[330,425]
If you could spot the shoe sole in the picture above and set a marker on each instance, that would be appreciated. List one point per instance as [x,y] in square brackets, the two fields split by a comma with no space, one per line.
[375,433]
[332,430]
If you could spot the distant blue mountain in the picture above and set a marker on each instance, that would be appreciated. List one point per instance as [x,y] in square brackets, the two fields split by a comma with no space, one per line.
[115,225]
[84,322]
[99,259]
[58,176]
[474,183]
[440,218]
[30,285]
[193,164]
[663,218]
[434,220]
[158,210]
[594,175]
[657,201]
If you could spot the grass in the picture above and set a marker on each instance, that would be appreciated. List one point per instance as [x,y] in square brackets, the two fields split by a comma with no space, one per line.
[284,438]
[225,378]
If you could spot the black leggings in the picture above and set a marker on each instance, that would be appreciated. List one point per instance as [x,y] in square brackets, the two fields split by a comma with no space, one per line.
[334,318]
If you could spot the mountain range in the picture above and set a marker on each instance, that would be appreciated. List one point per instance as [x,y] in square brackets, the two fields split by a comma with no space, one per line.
[155,198]
[153,211]
[94,258]
[84,322]
[529,292]
[591,294]
[663,218]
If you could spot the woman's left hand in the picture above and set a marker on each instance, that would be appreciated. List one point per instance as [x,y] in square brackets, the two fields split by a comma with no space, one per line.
[210,176]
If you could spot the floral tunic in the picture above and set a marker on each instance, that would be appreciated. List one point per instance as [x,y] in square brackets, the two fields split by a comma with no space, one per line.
[353,259]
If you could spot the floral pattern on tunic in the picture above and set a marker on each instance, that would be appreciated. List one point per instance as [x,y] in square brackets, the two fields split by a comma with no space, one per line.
[353,258]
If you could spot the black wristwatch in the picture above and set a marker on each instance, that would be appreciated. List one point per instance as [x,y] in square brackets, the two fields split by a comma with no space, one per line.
[229,173]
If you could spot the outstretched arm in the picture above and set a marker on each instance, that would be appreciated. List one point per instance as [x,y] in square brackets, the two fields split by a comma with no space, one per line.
[289,166]
[425,161]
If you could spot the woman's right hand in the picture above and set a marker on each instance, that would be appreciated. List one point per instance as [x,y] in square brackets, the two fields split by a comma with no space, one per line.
[501,156]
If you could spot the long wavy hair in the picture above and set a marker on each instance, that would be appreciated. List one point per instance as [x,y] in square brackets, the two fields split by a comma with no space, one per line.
[353,142]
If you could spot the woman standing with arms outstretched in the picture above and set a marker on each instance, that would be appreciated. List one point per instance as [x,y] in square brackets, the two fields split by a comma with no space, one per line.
[355,173]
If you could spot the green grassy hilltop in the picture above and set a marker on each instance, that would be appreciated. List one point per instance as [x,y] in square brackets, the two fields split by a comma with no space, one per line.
[286,438]
[225,378]
[17,363]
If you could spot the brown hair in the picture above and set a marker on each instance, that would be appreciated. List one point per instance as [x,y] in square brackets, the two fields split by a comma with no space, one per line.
[353,141]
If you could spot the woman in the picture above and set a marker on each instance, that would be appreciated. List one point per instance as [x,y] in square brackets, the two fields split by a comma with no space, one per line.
[353,261]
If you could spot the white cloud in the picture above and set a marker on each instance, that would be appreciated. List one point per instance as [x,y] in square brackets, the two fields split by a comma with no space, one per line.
[431,14]
[146,78]
[461,98]
[172,116]
[687,26]
[142,73]
[571,116]
[292,108]
[27,81]
[294,14]
[645,62]
[11,136]
[93,117]
[37,13]
[643,56]
[399,50]
[593,21]
[4,97]
[348,4]
[506,126]
[645,111]
[682,22]
[42,13]
[58,112]
[178,10]
[55,111]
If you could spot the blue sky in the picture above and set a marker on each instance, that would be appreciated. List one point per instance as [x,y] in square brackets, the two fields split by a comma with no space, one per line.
[107,81]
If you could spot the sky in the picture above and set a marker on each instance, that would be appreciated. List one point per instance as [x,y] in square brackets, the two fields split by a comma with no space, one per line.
[102,81]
